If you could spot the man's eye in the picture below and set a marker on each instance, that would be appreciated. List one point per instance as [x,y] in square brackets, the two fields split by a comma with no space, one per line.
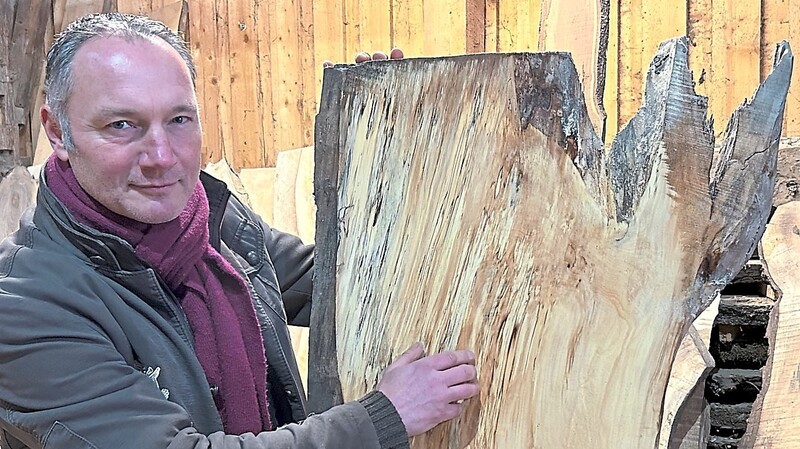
[181,119]
[120,124]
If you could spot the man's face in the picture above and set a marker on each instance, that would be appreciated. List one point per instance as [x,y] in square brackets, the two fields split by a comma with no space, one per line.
[134,120]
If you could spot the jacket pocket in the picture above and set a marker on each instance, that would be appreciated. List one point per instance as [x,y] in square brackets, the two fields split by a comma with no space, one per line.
[61,437]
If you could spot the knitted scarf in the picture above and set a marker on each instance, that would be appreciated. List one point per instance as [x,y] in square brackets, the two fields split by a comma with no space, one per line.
[215,298]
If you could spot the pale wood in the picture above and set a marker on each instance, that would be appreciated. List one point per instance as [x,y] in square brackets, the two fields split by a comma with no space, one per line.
[774,422]
[515,243]
[492,27]
[611,92]
[246,138]
[408,25]
[735,32]
[588,48]
[328,38]
[288,89]
[685,422]
[223,171]
[209,42]
[518,25]
[445,27]
[17,194]
[294,212]
[259,183]
[367,25]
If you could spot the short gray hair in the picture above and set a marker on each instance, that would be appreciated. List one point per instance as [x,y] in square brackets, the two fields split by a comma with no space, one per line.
[58,71]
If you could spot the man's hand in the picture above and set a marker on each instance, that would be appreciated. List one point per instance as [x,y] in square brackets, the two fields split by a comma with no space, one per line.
[428,390]
[364,57]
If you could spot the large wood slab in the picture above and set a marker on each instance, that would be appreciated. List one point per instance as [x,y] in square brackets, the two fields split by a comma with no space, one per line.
[467,202]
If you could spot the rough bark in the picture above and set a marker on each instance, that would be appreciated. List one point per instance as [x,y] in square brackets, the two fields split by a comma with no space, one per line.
[467,202]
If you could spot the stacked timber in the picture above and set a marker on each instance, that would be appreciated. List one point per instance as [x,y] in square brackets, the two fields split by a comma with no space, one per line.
[468,202]
[740,348]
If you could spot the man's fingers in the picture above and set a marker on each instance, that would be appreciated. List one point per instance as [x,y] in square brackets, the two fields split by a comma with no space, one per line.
[412,354]
[463,391]
[460,374]
[396,54]
[327,64]
[449,359]
[379,55]
[362,57]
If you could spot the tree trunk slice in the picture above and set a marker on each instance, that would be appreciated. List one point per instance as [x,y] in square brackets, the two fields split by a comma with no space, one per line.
[468,202]
[775,420]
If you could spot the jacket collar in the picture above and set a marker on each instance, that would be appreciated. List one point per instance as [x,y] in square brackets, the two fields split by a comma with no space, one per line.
[107,250]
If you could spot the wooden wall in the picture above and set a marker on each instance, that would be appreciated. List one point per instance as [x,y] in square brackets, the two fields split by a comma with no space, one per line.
[260,62]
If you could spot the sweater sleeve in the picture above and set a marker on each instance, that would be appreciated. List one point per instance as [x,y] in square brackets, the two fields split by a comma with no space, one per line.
[370,422]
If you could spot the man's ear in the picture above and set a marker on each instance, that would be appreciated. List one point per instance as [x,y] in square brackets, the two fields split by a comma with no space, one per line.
[54,133]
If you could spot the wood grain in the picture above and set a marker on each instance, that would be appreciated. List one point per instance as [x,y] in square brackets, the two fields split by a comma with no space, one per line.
[518,243]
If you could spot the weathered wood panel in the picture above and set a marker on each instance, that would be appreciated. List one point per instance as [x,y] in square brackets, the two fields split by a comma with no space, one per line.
[267,89]
[514,243]
[17,194]
[775,420]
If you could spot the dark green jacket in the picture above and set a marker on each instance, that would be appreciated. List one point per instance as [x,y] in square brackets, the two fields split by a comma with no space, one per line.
[95,351]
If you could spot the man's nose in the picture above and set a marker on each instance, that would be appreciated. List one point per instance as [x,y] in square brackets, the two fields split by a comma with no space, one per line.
[158,151]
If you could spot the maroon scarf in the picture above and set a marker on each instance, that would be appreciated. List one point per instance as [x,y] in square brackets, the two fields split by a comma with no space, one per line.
[216,299]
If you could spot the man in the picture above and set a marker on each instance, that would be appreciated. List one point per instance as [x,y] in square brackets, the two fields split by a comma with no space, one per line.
[143,306]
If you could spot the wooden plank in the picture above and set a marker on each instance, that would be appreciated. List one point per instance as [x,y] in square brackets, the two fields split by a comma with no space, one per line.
[245,143]
[328,37]
[476,30]
[632,68]
[208,44]
[308,67]
[416,175]
[611,94]
[735,61]
[287,77]
[296,214]
[580,27]
[492,25]
[699,30]
[445,27]
[367,25]
[17,194]
[518,25]
[644,25]
[408,26]
[259,183]
[775,419]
